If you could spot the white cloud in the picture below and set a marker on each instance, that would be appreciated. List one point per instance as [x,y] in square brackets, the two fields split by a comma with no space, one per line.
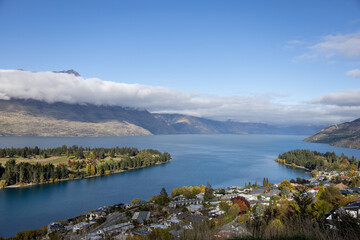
[61,87]
[348,98]
[343,45]
[354,73]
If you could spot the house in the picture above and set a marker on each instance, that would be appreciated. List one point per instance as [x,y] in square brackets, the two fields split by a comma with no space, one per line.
[142,216]
[341,186]
[194,201]
[273,192]
[194,208]
[142,232]
[173,221]
[93,215]
[352,209]
[55,226]
[161,226]
[81,226]
[122,227]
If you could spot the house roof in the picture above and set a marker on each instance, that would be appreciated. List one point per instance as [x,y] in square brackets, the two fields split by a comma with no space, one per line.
[341,186]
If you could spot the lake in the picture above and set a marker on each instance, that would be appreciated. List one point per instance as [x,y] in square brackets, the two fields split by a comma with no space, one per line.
[223,160]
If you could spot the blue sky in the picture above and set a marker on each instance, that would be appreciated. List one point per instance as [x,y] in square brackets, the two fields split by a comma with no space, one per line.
[289,52]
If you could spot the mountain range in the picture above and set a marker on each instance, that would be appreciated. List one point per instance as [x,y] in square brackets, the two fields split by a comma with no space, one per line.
[28,117]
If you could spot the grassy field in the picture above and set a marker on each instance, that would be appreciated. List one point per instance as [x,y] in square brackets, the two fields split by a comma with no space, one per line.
[53,160]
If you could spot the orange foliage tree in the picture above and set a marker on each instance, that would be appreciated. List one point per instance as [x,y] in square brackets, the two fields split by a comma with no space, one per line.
[242,202]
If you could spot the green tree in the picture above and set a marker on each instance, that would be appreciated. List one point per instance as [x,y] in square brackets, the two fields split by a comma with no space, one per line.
[320,208]
[287,184]
[234,210]
[163,198]
[112,153]
[332,195]
[259,209]
[304,201]
[224,206]
[209,192]
[285,191]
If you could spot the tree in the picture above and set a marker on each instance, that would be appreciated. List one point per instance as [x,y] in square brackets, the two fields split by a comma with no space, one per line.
[3,153]
[224,206]
[303,200]
[112,153]
[134,201]
[332,195]
[287,184]
[320,208]
[163,198]
[209,192]
[234,210]
[273,201]
[242,203]
[259,209]
[285,191]
[24,153]
[102,154]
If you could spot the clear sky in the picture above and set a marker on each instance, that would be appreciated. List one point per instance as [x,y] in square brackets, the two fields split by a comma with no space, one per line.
[293,52]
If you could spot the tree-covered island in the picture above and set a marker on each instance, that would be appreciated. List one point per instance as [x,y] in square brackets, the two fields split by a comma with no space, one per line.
[313,160]
[26,166]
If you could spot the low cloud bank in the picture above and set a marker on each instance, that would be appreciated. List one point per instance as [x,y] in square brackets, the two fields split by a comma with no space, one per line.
[62,87]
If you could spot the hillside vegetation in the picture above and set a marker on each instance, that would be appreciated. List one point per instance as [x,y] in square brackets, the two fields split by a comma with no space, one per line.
[341,135]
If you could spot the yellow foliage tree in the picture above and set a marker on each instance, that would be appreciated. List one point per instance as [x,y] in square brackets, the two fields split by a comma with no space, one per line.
[287,184]
[93,170]
[135,200]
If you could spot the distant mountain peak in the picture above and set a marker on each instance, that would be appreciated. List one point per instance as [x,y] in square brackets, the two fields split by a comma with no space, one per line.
[70,71]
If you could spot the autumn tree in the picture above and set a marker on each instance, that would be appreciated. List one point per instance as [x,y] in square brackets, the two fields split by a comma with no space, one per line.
[242,203]
[287,184]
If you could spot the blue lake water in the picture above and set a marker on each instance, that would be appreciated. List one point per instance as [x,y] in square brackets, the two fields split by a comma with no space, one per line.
[223,160]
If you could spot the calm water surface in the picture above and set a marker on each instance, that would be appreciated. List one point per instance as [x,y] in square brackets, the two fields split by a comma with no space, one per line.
[223,160]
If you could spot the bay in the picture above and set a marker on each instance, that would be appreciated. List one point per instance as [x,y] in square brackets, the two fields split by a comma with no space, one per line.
[223,160]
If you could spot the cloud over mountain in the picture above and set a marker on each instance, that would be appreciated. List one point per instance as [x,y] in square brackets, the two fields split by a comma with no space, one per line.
[63,87]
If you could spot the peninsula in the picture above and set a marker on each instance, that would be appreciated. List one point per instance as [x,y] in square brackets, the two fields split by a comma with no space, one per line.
[28,166]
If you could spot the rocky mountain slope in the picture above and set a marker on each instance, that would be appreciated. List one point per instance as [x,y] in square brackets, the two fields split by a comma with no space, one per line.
[342,135]
[20,117]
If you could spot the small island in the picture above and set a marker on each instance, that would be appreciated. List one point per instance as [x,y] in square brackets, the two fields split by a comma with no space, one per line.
[29,166]
[313,160]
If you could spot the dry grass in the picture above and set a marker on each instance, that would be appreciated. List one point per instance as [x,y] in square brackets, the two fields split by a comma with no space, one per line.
[53,160]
